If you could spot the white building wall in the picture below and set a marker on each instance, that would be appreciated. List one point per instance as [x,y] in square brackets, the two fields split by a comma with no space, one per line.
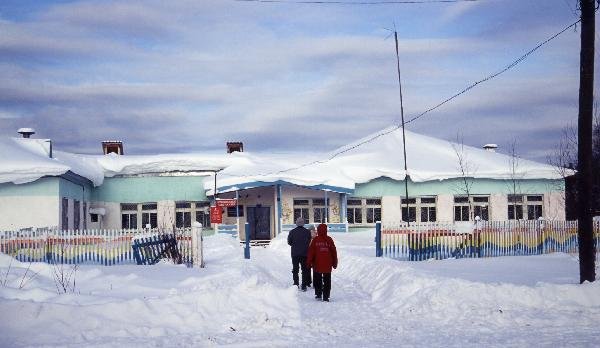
[165,211]
[391,211]
[554,205]
[289,193]
[445,208]
[112,219]
[18,212]
[498,207]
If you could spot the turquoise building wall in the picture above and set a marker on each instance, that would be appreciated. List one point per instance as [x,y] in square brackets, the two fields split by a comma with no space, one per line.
[78,191]
[389,187]
[41,187]
[151,189]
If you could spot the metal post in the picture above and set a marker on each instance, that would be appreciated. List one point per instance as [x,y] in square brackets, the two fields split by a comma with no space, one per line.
[247,248]
[403,132]
[237,211]
[378,248]
[279,207]
[344,209]
[326,209]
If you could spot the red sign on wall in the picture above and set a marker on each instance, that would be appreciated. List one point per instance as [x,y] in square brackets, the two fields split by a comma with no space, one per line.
[226,203]
[216,215]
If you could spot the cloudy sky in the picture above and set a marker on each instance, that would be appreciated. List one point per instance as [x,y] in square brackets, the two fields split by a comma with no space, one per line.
[187,76]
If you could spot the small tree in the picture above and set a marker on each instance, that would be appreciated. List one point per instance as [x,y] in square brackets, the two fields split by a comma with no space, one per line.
[466,171]
[515,175]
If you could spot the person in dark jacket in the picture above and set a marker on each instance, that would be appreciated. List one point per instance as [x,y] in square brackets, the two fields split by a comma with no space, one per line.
[299,239]
[322,256]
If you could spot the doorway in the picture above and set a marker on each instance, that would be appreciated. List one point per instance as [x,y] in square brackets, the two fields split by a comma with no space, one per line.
[259,220]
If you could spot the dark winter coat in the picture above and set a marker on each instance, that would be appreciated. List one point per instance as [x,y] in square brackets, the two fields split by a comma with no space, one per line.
[322,255]
[299,239]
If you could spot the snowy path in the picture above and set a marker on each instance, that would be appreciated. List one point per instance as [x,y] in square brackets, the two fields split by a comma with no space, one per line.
[349,319]
[513,301]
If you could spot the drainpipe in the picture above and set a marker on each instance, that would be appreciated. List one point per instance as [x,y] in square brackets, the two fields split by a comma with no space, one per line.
[326,209]
[279,213]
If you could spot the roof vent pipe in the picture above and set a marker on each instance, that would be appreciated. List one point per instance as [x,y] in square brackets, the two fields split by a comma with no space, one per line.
[26,132]
[490,147]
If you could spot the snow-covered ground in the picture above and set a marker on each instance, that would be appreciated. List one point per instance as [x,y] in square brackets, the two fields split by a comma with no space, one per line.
[510,301]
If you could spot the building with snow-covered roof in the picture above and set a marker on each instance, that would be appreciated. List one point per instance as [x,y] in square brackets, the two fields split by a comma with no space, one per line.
[353,186]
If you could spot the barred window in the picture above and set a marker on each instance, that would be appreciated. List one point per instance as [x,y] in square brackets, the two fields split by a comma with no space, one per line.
[233,211]
[149,206]
[363,210]
[129,206]
[76,215]
[519,204]
[65,213]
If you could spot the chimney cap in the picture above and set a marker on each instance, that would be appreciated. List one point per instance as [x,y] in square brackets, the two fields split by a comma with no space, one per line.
[112,146]
[490,147]
[233,146]
[26,132]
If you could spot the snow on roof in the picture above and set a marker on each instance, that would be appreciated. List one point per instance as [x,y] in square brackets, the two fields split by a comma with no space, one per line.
[380,155]
[429,159]
[26,160]
[377,155]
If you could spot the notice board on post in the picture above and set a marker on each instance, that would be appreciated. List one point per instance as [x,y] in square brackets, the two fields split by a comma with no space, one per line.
[216,215]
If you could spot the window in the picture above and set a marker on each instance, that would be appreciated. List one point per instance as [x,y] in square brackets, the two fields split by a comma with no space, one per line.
[464,204]
[319,215]
[354,211]
[301,209]
[129,216]
[94,217]
[515,207]
[149,215]
[233,211]
[85,215]
[65,213]
[534,207]
[373,215]
[428,209]
[363,210]
[373,210]
[461,208]
[518,204]
[481,207]
[76,215]
[183,214]
[202,213]
[409,213]
[183,219]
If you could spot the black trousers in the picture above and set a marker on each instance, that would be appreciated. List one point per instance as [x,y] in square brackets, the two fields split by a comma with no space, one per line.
[322,284]
[299,263]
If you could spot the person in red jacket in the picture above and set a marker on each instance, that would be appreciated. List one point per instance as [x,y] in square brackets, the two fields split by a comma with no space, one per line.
[322,256]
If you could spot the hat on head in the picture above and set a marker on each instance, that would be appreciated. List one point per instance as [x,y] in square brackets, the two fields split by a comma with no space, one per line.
[321,229]
[300,221]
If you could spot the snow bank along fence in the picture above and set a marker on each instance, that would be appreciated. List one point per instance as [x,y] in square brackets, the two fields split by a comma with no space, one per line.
[483,239]
[103,247]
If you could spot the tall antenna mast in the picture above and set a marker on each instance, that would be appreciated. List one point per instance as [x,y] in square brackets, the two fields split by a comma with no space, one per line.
[403,132]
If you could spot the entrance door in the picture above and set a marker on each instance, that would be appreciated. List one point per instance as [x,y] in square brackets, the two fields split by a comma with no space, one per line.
[259,219]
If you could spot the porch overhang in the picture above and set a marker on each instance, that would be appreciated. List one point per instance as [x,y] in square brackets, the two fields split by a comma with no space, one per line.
[255,184]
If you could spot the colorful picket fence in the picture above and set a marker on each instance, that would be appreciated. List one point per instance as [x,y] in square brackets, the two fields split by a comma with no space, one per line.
[103,247]
[149,250]
[483,239]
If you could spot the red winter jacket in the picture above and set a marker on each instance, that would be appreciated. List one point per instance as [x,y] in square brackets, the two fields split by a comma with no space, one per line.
[321,252]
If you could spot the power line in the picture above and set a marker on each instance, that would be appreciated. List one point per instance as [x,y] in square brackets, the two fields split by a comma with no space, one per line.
[489,77]
[396,127]
[339,2]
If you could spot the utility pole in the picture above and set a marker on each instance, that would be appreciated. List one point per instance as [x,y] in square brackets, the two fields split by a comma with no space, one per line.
[403,133]
[587,255]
